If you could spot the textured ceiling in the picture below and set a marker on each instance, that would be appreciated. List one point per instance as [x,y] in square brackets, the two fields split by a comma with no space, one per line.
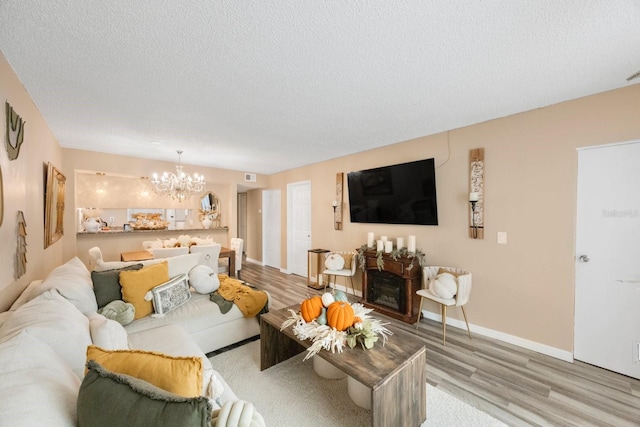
[265,86]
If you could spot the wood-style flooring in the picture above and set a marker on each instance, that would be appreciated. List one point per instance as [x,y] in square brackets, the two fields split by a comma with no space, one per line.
[515,385]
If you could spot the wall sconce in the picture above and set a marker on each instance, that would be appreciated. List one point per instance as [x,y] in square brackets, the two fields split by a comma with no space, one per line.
[476,193]
[337,203]
[473,199]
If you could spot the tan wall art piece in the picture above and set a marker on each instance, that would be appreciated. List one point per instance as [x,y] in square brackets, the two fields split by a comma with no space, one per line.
[337,209]
[476,191]
[54,206]
[15,132]
[21,250]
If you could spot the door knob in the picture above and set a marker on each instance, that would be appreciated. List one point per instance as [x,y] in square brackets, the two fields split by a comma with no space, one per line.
[583,258]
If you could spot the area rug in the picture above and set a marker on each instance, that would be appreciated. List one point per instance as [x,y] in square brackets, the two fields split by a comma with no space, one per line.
[290,394]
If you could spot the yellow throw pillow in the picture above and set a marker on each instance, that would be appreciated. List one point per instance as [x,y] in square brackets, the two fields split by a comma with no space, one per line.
[136,283]
[178,375]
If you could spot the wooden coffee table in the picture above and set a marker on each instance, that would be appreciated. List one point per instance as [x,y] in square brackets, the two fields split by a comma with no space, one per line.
[395,372]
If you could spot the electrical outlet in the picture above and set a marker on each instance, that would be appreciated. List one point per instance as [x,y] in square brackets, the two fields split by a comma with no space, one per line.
[502,237]
[111,219]
[635,352]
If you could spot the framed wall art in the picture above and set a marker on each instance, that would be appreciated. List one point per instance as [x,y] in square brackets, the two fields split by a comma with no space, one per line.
[54,206]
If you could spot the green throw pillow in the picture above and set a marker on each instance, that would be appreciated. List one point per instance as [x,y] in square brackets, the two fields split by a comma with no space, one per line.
[106,284]
[109,399]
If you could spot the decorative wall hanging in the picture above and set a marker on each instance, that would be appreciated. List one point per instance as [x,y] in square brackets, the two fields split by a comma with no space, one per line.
[21,251]
[54,206]
[476,193]
[15,132]
[337,203]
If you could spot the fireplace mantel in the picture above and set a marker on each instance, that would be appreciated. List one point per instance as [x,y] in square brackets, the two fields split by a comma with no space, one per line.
[399,279]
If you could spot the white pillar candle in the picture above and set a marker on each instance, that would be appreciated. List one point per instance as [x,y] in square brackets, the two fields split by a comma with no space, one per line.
[383,238]
[411,245]
[474,196]
[370,239]
[380,245]
[388,246]
[400,243]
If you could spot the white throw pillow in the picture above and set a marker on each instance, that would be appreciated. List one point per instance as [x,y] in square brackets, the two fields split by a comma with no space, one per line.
[203,279]
[107,334]
[56,322]
[24,296]
[37,387]
[443,285]
[334,262]
[72,280]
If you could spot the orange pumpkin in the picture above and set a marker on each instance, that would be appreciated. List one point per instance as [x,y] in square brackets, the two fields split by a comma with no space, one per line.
[340,315]
[311,308]
[356,320]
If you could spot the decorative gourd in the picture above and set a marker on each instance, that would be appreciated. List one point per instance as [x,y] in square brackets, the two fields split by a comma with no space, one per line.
[340,296]
[311,308]
[356,320]
[340,315]
[322,319]
[327,299]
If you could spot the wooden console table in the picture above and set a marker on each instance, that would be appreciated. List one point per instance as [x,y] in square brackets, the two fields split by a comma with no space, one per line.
[395,373]
[406,280]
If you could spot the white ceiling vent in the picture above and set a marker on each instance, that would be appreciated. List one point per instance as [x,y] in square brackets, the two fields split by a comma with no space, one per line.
[250,177]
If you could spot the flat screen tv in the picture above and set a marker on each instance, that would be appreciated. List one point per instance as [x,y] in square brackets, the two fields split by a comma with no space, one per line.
[397,194]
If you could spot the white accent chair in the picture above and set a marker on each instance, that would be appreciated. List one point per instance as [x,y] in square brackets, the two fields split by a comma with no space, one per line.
[461,297]
[348,270]
[237,244]
[210,254]
[169,252]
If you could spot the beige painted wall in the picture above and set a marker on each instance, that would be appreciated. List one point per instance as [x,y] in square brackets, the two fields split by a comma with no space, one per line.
[23,183]
[525,288]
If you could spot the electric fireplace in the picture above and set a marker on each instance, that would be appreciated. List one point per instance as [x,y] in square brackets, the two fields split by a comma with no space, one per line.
[392,289]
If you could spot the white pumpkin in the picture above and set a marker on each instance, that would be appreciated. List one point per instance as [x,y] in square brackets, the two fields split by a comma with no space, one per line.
[443,285]
[327,299]
[203,279]
[334,262]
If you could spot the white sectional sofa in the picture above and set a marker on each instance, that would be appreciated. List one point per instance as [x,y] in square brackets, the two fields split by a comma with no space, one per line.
[45,334]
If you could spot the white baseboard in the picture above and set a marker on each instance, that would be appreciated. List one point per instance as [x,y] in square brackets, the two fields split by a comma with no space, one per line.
[567,356]
[254,261]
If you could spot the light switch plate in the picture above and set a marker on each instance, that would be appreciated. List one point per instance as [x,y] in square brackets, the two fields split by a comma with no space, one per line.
[502,237]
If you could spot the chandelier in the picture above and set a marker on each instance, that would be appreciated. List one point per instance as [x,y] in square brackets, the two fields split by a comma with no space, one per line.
[178,186]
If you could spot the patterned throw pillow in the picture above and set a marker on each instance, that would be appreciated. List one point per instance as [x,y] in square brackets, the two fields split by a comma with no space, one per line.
[170,295]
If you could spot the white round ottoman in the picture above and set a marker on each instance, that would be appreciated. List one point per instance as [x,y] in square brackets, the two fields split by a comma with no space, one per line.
[326,370]
[359,393]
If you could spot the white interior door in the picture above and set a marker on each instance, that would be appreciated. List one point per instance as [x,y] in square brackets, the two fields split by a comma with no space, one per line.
[299,226]
[271,228]
[607,312]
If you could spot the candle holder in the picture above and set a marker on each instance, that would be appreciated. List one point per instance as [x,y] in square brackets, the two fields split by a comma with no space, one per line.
[474,227]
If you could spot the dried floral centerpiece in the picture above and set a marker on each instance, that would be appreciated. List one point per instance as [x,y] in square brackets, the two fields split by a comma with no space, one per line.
[148,221]
[331,322]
